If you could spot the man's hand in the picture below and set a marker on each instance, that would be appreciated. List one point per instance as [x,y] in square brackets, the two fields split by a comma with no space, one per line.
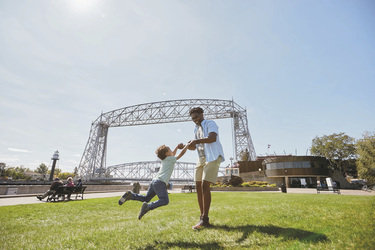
[191,144]
[180,146]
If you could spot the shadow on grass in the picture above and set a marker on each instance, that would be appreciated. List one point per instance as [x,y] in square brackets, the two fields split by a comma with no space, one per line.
[184,245]
[286,233]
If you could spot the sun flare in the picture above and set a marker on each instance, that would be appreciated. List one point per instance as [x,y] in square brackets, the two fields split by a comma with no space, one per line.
[82,6]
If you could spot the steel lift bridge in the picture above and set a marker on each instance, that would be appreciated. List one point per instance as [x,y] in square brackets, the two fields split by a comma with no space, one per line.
[93,162]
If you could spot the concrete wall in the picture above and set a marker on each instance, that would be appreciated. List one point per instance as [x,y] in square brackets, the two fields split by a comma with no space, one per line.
[40,189]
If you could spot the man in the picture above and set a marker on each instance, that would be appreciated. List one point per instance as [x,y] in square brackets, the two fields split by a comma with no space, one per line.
[52,189]
[210,154]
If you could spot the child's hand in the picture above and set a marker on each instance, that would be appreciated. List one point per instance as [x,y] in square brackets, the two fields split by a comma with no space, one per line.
[180,146]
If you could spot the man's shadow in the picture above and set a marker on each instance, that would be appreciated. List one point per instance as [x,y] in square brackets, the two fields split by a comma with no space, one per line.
[285,233]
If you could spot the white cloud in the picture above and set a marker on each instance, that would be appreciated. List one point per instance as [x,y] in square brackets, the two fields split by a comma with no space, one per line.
[73,161]
[9,159]
[18,150]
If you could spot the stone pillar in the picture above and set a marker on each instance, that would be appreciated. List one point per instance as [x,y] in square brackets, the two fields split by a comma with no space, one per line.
[287,182]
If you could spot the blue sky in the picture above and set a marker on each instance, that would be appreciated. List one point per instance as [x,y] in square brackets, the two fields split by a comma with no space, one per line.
[301,68]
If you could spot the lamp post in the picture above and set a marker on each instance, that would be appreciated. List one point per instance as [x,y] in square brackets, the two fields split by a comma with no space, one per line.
[264,171]
[231,159]
[54,158]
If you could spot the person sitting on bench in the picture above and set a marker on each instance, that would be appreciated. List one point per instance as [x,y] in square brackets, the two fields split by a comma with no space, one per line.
[79,183]
[69,183]
[52,189]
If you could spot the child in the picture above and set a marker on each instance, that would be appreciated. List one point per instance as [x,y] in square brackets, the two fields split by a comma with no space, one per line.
[158,186]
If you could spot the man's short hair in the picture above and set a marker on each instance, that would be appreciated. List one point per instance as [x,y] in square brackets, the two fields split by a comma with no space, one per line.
[161,152]
[198,110]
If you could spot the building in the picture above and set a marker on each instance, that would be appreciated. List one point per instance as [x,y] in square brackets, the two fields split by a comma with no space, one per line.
[229,171]
[294,171]
[34,175]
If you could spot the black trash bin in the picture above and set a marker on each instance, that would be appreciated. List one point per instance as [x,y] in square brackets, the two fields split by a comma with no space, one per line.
[283,188]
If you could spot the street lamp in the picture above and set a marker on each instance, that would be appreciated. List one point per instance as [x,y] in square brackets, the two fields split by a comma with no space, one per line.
[231,159]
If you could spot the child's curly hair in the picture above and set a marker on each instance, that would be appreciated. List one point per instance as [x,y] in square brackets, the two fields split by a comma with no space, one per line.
[161,152]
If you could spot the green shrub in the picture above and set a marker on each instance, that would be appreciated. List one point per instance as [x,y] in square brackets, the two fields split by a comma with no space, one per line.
[258,183]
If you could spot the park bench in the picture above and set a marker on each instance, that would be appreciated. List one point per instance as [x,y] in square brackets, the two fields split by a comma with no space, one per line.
[62,191]
[189,188]
[332,189]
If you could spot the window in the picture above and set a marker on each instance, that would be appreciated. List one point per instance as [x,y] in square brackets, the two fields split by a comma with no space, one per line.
[306,164]
[289,164]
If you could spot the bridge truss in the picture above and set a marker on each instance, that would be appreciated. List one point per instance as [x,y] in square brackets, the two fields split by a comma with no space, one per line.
[93,162]
[145,171]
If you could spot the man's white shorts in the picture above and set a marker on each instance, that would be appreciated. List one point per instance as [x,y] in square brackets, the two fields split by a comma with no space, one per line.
[207,171]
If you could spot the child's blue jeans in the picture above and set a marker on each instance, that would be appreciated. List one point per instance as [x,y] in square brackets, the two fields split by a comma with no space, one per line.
[157,187]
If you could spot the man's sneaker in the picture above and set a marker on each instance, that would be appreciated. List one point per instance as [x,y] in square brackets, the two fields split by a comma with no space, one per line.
[39,197]
[203,223]
[144,210]
[127,196]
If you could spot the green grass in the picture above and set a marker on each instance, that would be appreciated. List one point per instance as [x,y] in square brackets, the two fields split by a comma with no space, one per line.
[241,220]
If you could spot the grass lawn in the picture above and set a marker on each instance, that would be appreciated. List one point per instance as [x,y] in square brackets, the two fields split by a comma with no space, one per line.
[241,220]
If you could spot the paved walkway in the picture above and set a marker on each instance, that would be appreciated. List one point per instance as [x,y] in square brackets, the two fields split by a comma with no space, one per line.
[31,199]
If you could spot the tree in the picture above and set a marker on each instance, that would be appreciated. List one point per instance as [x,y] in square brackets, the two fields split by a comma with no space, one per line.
[15,172]
[65,175]
[42,169]
[245,155]
[2,169]
[366,157]
[56,172]
[336,148]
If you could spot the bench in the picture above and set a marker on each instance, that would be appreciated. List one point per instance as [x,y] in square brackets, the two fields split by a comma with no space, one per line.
[333,189]
[62,191]
[189,188]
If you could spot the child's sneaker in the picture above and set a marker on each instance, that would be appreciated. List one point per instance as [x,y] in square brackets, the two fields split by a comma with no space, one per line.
[127,196]
[144,210]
